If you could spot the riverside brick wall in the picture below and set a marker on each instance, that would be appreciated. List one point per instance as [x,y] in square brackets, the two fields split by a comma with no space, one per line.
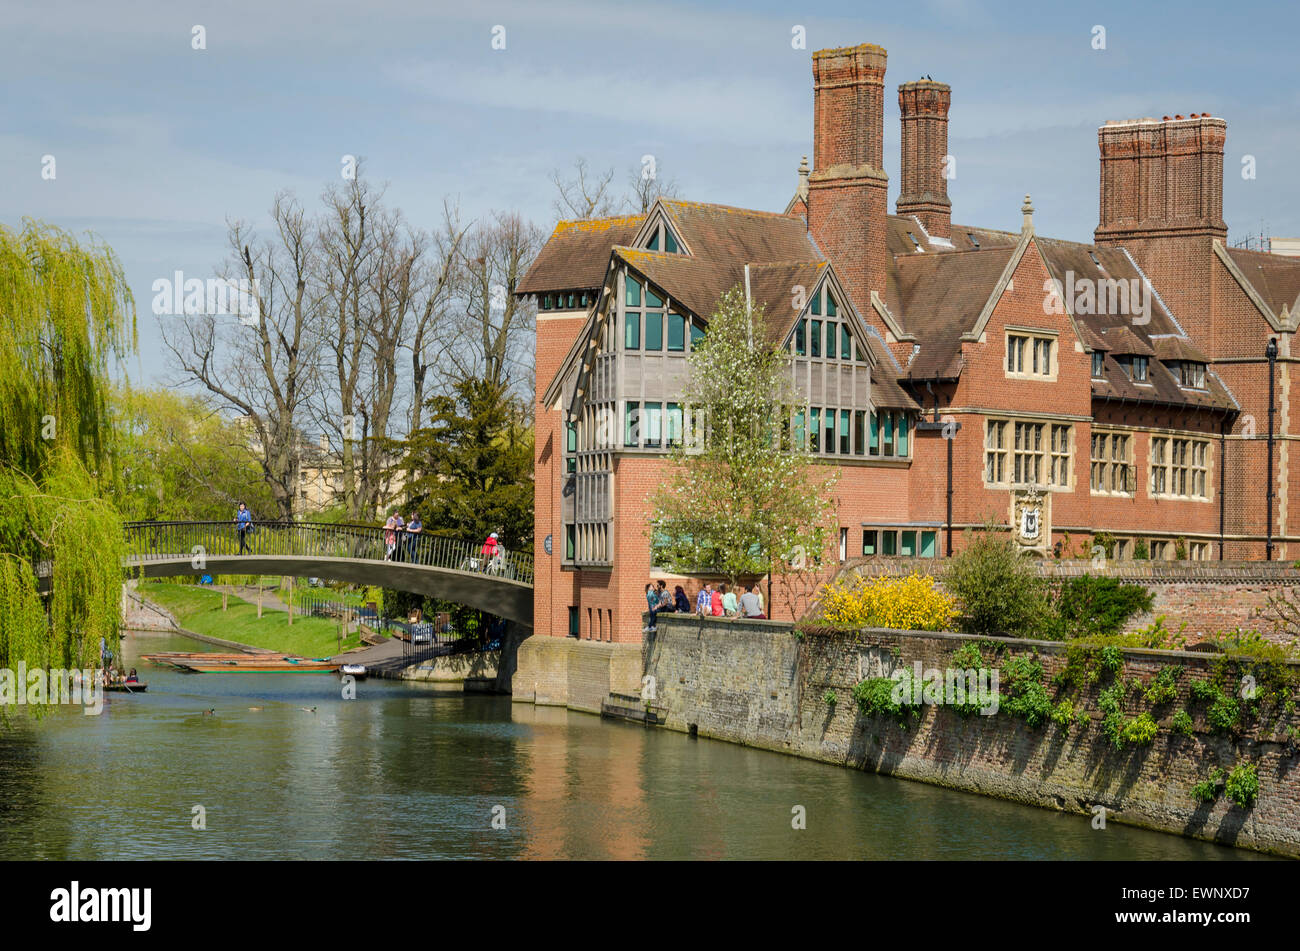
[755,683]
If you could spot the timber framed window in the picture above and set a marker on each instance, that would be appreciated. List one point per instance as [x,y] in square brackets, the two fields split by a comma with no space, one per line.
[825,334]
[662,238]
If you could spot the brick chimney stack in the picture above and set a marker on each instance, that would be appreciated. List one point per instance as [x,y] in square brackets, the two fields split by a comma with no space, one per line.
[1161,179]
[848,190]
[1162,199]
[923,188]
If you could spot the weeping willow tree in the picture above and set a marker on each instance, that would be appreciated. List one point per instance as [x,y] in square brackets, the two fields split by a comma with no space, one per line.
[67,318]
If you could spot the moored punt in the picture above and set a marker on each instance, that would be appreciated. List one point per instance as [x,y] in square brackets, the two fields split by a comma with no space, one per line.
[200,662]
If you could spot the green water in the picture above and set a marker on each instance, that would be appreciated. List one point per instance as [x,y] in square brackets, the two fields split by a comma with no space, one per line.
[407,771]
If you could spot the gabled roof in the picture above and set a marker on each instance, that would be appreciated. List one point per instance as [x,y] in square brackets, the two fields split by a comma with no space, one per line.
[574,258]
[1275,277]
[1148,328]
[723,242]
[1177,348]
[738,236]
[940,298]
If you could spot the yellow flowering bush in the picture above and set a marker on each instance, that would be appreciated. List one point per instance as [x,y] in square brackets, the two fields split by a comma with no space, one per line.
[906,604]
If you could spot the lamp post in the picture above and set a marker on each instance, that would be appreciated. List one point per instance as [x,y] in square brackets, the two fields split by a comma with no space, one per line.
[1271,352]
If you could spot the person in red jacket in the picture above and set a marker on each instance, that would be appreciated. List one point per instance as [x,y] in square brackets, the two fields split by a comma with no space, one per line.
[715,603]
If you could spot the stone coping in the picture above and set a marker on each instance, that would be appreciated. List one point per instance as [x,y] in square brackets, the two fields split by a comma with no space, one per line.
[1150,572]
[1050,647]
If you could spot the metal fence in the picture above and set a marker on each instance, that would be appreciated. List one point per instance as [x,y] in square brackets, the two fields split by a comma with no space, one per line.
[153,541]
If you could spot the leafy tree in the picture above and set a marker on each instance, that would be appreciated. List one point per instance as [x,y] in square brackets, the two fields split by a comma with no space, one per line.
[66,319]
[739,498]
[473,465]
[182,460]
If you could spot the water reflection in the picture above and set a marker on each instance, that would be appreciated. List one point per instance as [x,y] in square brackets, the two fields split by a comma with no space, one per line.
[286,768]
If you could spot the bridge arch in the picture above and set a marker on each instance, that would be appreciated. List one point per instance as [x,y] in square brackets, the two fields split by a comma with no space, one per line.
[434,566]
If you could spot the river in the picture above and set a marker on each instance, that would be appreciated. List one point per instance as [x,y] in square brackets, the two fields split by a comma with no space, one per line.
[408,771]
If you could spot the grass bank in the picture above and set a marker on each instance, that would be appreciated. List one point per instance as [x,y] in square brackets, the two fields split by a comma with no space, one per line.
[199,609]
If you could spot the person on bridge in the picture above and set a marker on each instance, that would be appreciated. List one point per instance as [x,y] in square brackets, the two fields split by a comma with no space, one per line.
[243,522]
[390,536]
[413,529]
[491,550]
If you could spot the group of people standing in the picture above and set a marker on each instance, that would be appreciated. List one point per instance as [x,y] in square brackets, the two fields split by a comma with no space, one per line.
[402,537]
[711,601]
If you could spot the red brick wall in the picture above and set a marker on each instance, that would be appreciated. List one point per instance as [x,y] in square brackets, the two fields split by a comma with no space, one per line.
[553,588]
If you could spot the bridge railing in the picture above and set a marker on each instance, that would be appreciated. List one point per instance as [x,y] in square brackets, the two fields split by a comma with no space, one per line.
[155,541]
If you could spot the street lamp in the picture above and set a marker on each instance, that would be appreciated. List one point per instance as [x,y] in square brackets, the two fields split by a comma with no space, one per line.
[1271,352]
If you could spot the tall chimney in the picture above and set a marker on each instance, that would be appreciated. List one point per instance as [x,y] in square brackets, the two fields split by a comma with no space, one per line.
[848,190]
[923,188]
[1161,179]
[1162,199]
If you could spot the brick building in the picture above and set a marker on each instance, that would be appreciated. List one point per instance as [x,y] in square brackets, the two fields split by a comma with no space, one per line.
[956,375]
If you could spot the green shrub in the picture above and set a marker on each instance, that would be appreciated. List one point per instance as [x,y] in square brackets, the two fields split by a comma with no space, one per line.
[1224,714]
[875,697]
[967,656]
[1111,702]
[830,698]
[1205,690]
[1093,605]
[1111,660]
[1207,789]
[1065,715]
[998,588]
[1162,688]
[1182,723]
[1140,730]
[1026,697]
[1242,785]
[1140,550]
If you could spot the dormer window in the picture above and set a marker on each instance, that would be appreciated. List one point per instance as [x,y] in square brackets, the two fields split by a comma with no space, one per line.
[916,244]
[1188,373]
[1098,364]
[1136,368]
[975,242]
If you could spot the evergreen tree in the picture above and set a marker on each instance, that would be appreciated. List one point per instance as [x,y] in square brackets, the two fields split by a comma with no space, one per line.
[473,465]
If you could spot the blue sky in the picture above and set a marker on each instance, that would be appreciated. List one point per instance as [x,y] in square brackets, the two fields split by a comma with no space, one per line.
[158,144]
